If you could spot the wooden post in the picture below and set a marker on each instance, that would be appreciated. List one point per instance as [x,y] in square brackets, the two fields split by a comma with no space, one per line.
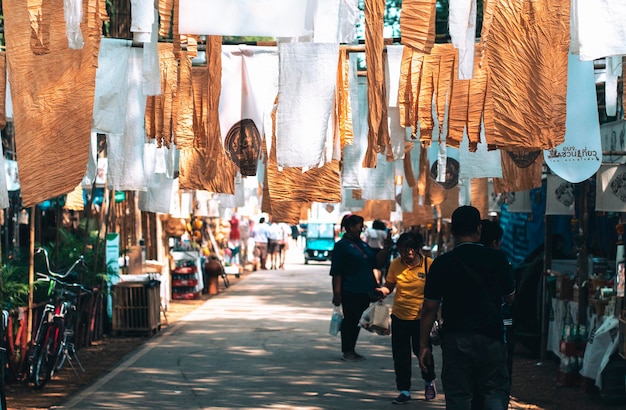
[31,274]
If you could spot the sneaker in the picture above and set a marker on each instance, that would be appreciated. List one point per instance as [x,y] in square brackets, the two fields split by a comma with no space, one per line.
[430,391]
[352,357]
[401,399]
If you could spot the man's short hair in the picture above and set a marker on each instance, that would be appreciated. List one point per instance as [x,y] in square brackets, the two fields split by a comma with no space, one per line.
[465,220]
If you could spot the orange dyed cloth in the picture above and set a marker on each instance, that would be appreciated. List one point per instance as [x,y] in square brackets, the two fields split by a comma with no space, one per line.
[53,109]
[417,24]
[159,108]
[527,49]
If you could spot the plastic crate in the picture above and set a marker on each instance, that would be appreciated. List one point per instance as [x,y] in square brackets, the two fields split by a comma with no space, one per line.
[136,307]
[185,282]
[185,295]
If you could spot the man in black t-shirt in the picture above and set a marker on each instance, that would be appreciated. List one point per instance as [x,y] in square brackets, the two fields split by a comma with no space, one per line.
[470,282]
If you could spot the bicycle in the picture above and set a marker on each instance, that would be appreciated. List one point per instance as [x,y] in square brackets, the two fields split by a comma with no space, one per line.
[54,341]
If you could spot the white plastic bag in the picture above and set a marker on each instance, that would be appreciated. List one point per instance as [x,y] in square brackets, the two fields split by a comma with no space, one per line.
[335,321]
[376,318]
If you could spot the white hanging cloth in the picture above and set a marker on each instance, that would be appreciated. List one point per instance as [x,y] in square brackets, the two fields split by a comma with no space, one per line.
[598,28]
[125,151]
[306,98]
[142,18]
[268,18]
[73,14]
[462,25]
[580,154]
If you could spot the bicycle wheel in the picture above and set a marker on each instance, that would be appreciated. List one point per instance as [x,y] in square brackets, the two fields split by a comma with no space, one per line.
[47,358]
[225,278]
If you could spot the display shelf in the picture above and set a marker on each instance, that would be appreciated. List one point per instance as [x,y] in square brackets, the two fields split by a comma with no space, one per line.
[185,275]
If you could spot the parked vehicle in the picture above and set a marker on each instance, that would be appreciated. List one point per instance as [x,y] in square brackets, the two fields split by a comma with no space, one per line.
[320,241]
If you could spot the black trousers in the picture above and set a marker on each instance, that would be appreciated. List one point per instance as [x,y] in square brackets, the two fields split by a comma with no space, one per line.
[405,341]
[353,306]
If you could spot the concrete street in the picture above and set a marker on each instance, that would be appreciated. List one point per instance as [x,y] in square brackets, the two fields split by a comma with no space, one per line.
[262,344]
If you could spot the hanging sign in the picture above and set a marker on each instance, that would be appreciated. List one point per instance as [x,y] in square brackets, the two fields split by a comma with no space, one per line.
[580,155]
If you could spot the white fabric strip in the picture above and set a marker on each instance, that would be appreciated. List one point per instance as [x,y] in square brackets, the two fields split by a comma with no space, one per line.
[462,23]
[142,18]
[271,18]
[73,14]
[306,98]
[598,28]
[125,151]
[111,78]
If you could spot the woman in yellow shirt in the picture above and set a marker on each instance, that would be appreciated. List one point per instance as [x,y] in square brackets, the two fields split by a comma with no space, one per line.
[407,275]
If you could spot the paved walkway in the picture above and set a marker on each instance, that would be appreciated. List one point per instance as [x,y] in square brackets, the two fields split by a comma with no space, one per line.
[262,344]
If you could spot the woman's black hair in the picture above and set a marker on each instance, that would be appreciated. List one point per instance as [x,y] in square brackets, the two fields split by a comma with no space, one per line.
[410,240]
[379,225]
[351,220]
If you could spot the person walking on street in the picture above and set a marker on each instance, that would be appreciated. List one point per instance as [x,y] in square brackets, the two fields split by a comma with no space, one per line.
[470,282]
[353,282]
[261,234]
[407,275]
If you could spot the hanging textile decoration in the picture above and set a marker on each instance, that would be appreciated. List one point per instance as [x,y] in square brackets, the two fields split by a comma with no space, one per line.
[3,91]
[468,112]
[158,193]
[73,11]
[580,155]
[320,184]
[598,28]
[306,98]
[205,165]
[481,163]
[479,195]
[111,86]
[377,209]
[426,80]
[354,152]
[611,188]
[462,25]
[4,192]
[267,18]
[65,83]
[159,108]
[165,8]
[125,151]
[397,133]
[249,87]
[343,102]
[527,49]
[142,17]
[521,171]
[560,198]
[417,24]
[183,105]
[336,21]
[378,134]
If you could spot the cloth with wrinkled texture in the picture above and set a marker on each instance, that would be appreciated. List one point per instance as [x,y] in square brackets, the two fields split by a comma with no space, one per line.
[142,17]
[521,171]
[64,83]
[417,24]
[378,129]
[159,108]
[182,105]
[320,184]
[205,166]
[165,8]
[527,49]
